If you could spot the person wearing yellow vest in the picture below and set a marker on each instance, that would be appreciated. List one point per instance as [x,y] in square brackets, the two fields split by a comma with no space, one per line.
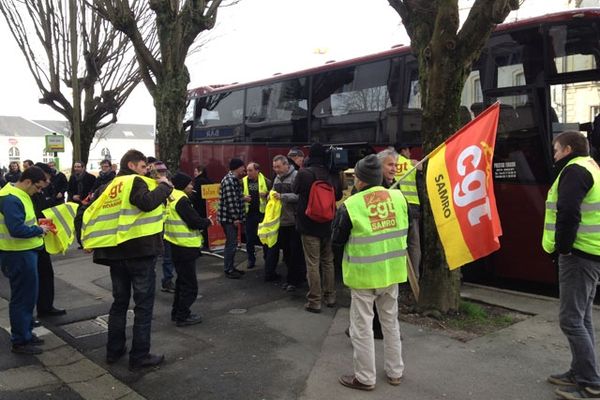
[255,188]
[369,236]
[20,240]
[408,187]
[572,232]
[183,231]
[42,201]
[123,227]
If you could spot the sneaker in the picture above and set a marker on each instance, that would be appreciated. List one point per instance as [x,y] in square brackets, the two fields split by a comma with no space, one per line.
[168,287]
[564,379]
[148,361]
[113,358]
[353,383]
[577,392]
[394,381]
[26,348]
[192,319]
[290,288]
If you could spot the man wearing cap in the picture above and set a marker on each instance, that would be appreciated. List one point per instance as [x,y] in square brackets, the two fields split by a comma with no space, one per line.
[183,228]
[370,230]
[316,236]
[296,158]
[231,213]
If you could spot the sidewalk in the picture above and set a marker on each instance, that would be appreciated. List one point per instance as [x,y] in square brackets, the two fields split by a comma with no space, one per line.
[257,342]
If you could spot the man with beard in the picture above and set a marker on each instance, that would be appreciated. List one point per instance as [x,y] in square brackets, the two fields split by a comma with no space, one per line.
[80,183]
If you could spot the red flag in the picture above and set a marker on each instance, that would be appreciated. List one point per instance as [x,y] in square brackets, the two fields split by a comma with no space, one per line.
[461,191]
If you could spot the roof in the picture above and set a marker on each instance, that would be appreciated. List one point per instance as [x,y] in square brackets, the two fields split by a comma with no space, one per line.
[21,127]
[113,131]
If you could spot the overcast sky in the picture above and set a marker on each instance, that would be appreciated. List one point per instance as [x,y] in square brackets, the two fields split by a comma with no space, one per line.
[252,40]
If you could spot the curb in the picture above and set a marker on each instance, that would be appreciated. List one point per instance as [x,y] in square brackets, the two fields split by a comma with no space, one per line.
[64,363]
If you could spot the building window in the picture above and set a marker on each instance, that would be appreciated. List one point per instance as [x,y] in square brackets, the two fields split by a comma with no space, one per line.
[47,157]
[14,154]
[105,153]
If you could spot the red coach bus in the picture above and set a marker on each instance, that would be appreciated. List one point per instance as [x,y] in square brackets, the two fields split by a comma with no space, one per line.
[544,71]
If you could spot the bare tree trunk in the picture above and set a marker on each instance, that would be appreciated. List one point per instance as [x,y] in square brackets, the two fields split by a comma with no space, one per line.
[170,97]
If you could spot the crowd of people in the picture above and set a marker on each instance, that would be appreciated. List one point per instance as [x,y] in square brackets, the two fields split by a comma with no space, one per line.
[130,218]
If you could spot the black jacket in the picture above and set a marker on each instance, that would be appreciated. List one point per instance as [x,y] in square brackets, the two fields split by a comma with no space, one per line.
[103,179]
[574,183]
[145,246]
[301,186]
[59,184]
[197,201]
[193,220]
[82,187]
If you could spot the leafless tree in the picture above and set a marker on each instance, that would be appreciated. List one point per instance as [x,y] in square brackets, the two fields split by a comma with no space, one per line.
[106,68]
[445,52]
[177,24]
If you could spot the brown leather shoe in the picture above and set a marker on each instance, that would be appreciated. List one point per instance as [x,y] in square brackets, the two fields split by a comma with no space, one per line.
[353,383]
[394,381]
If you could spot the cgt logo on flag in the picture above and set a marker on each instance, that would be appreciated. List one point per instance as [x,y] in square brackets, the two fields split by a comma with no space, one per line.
[460,189]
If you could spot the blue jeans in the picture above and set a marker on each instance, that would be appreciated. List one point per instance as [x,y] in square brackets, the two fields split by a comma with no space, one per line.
[139,274]
[20,267]
[231,234]
[252,221]
[167,264]
[578,278]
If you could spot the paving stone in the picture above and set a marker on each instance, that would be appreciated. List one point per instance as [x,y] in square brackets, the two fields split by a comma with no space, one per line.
[57,391]
[23,378]
[80,371]
[51,340]
[63,355]
[104,387]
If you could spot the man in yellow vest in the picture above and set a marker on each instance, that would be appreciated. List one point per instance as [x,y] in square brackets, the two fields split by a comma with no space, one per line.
[124,227]
[255,188]
[572,231]
[20,240]
[370,228]
[183,231]
[408,187]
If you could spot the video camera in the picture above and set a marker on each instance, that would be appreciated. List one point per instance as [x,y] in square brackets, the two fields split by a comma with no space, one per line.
[336,159]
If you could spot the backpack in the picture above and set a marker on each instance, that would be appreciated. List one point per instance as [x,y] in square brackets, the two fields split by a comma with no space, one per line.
[321,202]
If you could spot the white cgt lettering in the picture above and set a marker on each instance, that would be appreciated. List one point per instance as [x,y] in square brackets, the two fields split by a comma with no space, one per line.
[472,188]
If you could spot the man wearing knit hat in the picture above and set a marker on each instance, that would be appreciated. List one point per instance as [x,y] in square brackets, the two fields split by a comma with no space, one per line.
[371,229]
[231,213]
[183,228]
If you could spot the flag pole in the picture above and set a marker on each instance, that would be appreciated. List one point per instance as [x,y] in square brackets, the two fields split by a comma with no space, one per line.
[432,152]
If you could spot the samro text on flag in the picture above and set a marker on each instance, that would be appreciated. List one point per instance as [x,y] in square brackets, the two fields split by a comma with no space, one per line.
[461,192]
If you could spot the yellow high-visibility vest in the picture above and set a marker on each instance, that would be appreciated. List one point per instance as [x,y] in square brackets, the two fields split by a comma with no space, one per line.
[375,254]
[112,219]
[262,188]
[8,242]
[408,185]
[63,217]
[176,230]
[268,229]
[588,233]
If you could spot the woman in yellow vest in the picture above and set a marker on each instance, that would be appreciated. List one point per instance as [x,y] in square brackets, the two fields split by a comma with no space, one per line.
[183,230]
[20,239]
[371,228]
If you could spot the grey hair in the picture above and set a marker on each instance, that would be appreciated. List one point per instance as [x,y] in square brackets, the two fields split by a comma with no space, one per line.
[389,152]
[281,158]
